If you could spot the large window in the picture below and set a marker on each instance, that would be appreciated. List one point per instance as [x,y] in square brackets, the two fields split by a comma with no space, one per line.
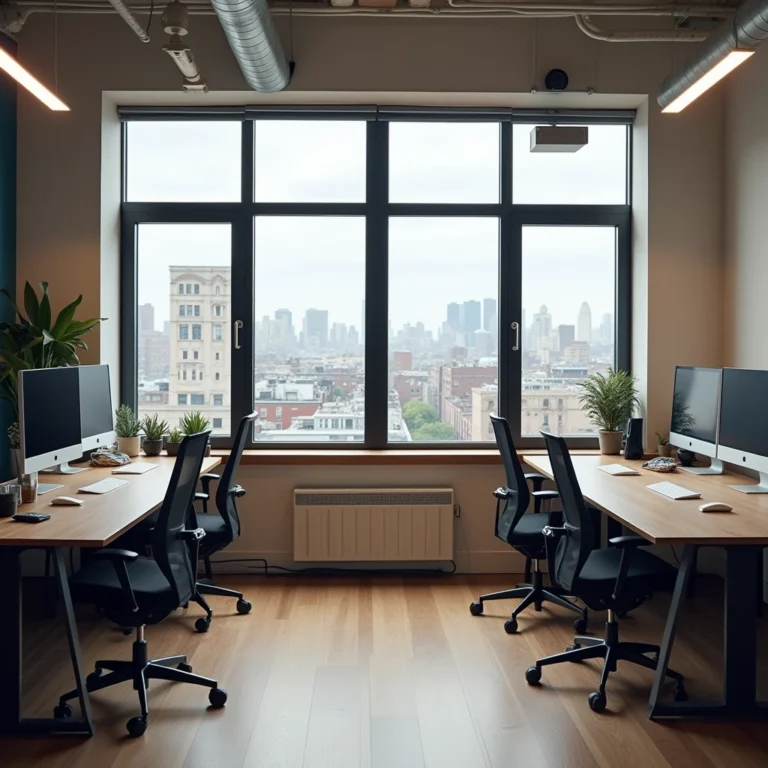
[373,280]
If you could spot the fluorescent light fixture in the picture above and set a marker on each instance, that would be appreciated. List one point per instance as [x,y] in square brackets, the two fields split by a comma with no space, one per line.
[703,84]
[34,86]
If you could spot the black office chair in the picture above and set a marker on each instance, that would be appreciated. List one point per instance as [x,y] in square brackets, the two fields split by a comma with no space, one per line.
[524,532]
[134,591]
[615,579]
[223,528]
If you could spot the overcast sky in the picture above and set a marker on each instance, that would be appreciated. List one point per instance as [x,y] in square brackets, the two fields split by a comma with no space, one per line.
[304,262]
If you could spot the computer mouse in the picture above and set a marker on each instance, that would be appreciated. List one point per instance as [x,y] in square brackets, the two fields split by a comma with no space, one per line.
[66,501]
[715,506]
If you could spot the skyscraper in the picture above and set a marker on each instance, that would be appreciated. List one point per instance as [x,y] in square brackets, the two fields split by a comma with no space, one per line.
[284,321]
[566,336]
[146,318]
[454,317]
[606,329]
[470,321]
[541,331]
[489,315]
[362,325]
[584,324]
[316,328]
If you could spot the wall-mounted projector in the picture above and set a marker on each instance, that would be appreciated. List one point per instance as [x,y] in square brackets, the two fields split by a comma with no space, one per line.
[559,138]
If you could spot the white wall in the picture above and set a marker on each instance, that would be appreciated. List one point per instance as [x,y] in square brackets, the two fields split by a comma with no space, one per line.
[67,227]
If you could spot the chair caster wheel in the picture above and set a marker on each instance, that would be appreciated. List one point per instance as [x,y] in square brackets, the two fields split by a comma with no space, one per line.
[573,647]
[476,608]
[217,697]
[63,711]
[136,726]
[510,626]
[244,606]
[597,701]
[202,624]
[184,667]
[126,630]
[533,675]
[580,626]
[93,678]
[680,693]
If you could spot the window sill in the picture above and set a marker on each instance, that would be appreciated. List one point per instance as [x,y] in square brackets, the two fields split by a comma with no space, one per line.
[379,458]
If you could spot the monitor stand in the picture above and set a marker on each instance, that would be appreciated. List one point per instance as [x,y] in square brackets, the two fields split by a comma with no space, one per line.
[64,469]
[761,487]
[715,468]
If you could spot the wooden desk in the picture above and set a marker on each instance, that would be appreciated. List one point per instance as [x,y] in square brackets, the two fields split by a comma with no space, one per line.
[100,520]
[742,533]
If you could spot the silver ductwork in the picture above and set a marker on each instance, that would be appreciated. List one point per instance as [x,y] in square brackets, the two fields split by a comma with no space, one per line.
[747,29]
[251,34]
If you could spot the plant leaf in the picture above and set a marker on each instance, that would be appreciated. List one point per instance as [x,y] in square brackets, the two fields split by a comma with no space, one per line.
[65,317]
[44,310]
[31,305]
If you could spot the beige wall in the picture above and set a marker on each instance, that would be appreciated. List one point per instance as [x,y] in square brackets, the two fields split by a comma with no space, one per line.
[746,203]
[67,229]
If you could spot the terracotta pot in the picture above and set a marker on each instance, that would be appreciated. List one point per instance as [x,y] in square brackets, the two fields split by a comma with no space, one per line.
[130,446]
[664,450]
[152,447]
[610,442]
[172,448]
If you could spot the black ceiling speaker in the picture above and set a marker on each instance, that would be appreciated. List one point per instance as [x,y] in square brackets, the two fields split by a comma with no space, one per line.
[556,80]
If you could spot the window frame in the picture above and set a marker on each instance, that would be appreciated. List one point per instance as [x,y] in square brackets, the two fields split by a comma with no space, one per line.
[377,210]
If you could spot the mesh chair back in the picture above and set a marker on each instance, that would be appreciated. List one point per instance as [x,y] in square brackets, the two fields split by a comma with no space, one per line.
[170,552]
[226,503]
[517,503]
[573,548]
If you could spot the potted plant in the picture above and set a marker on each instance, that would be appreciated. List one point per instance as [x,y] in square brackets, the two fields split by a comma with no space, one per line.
[609,400]
[194,422]
[154,431]
[173,442]
[127,428]
[37,340]
[662,445]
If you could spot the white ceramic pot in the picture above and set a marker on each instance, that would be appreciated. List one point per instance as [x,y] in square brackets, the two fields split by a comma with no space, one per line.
[610,442]
[130,446]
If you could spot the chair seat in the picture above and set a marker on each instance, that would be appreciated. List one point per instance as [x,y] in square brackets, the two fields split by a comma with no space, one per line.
[646,572]
[529,529]
[97,584]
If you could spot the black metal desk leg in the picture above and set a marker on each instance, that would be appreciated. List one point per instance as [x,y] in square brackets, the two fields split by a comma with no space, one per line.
[10,639]
[740,645]
[72,637]
[683,572]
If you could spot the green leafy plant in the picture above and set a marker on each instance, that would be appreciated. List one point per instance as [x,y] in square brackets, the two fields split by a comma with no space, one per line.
[194,422]
[661,440]
[175,436]
[609,400]
[126,423]
[38,341]
[154,429]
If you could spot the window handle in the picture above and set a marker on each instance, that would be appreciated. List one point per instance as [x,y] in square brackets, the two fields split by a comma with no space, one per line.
[516,331]
[238,326]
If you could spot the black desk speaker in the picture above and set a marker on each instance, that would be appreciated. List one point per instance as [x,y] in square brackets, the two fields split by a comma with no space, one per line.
[633,447]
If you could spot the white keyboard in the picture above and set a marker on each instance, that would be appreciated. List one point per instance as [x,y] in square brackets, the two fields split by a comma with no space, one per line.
[104,486]
[672,491]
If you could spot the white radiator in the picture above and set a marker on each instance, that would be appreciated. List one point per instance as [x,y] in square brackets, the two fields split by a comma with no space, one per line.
[373,525]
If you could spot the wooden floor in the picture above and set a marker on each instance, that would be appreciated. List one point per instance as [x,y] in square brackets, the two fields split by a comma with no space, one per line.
[386,673]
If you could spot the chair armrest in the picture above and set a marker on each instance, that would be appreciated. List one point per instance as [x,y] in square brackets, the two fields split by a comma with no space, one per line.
[502,493]
[115,554]
[208,478]
[626,542]
[536,479]
[545,495]
[119,558]
[237,491]
[192,534]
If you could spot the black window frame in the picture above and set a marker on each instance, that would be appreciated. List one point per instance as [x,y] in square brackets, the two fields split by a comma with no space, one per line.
[377,210]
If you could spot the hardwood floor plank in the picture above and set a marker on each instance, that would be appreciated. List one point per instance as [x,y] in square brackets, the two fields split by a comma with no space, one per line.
[396,742]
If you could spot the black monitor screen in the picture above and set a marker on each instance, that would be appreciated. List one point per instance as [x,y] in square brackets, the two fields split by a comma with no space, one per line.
[51,401]
[95,400]
[694,404]
[744,411]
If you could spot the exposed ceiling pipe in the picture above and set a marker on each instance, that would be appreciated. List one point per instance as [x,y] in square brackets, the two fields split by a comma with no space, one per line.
[254,41]
[747,29]
[127,15]
[604,9]
[589,28]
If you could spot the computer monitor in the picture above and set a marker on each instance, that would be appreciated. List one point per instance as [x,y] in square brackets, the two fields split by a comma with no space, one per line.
[97,428]
[49,418]
[695,405]
[744,424]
